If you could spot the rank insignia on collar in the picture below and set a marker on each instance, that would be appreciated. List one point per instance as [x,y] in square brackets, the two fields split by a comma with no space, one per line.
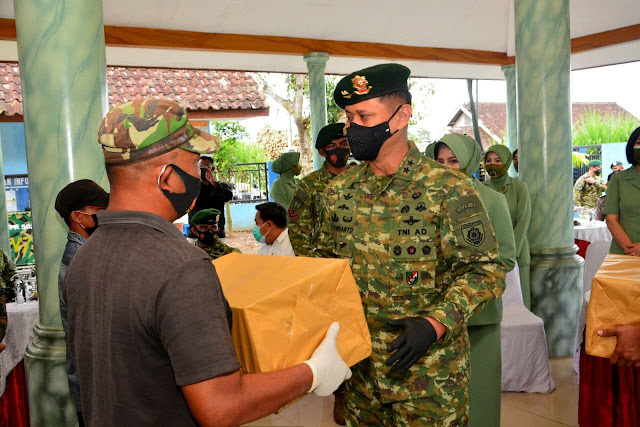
[397,250]
[361,85]
[405,170]
[410,163]
[411,277]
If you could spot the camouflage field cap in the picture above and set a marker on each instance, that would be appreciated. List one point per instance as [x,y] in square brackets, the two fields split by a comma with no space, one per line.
[144,128]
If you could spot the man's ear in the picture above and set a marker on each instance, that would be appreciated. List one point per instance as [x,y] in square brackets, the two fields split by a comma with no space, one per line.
[404,116]
[322,152]
[163,173]
[75,216]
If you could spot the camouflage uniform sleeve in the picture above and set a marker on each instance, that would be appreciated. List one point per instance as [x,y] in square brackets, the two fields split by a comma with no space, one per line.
[577,190]
[324,240]
[8,271]
[470,252]
[301,220]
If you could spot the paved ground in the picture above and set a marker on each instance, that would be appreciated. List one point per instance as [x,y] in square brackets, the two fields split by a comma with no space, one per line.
[244,241]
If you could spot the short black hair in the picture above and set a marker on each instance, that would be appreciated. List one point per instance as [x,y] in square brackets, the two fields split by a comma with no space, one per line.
[630,144]
[514,152]
[205,157]
[273,212]
[399,97]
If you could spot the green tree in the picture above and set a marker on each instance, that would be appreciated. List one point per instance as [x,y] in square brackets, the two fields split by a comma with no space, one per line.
[595,128]
[233,150]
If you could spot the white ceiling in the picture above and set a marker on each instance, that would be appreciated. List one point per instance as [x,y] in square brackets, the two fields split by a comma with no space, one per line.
[471,24]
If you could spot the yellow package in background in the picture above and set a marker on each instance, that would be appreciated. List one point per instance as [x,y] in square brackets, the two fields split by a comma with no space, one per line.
[282,307]
[615,301]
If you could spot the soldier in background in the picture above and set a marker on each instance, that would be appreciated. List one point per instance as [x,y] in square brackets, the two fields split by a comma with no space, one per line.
[304,210]
[7,272]
[205,227]
[589,186]
[423,254]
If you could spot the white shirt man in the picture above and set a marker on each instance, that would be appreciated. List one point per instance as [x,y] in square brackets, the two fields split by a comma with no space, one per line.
[271,230]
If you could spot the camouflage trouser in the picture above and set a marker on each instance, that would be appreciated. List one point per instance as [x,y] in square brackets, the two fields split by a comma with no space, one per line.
[429,411]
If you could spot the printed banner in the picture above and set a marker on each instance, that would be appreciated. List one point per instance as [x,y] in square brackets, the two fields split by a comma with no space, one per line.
[21,238]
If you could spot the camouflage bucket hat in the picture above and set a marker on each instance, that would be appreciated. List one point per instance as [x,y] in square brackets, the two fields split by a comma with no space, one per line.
[145,128]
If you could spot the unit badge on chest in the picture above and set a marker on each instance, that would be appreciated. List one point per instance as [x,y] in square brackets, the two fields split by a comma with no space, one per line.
[411,277]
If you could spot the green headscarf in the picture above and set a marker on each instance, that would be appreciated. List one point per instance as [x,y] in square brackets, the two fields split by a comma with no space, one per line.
[466,150]
[502,151]
[285,162]
[430,151]
[500,171]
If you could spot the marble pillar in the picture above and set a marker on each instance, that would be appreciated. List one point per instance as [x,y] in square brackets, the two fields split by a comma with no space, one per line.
[316,62]
[544,139]
[63,72]
[5,243]
[512,110]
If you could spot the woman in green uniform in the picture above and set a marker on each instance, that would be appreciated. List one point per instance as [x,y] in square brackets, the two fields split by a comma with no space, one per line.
[462,152]
[282,189]
[622,206]
[496,162]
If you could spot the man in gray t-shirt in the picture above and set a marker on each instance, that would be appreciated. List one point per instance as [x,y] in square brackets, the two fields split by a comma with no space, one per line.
[148,323]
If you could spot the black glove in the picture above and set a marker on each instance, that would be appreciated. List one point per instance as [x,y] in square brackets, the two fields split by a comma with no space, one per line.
[412,344]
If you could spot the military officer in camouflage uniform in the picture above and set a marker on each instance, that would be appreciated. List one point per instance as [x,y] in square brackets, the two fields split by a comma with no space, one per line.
[7,272]
[422,251]
[589,186]
[304,211]
[205,225]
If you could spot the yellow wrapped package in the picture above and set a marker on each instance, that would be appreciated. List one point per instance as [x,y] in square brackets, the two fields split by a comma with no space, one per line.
[615,301]
[282,307]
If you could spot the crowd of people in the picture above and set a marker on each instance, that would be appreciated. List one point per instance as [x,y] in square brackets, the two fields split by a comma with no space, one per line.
[428,243]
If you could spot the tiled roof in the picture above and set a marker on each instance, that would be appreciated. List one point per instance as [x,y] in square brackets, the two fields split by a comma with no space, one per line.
[493,114]
[197,90]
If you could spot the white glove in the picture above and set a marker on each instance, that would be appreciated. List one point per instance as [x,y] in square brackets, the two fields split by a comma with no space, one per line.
[329,370]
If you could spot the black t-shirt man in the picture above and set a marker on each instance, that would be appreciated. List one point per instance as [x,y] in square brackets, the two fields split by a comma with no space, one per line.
[146,316]
[213,194]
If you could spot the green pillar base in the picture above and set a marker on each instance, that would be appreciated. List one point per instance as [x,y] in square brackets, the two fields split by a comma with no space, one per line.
[556,295]
[50,403]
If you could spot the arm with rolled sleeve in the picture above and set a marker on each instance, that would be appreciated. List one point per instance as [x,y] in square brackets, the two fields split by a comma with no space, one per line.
[477,275]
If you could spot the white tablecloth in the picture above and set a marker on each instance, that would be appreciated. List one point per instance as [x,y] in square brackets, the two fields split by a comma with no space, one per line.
[22,319]
[594,233]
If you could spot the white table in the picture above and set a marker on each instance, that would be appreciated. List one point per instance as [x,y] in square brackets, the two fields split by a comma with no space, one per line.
[592,233]
[22,318]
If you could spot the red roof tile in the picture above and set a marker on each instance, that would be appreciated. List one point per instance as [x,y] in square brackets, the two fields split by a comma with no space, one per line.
[493,114]
[197,90]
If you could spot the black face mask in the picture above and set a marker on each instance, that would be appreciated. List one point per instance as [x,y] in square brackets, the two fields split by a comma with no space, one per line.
[182,201]
[90,230]
[366,142]
[207,237]
[337,157]
[598,172]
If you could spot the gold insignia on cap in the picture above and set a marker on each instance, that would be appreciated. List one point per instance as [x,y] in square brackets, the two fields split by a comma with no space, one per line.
[217,218]
[345,94]
[361,85]
[344,131]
